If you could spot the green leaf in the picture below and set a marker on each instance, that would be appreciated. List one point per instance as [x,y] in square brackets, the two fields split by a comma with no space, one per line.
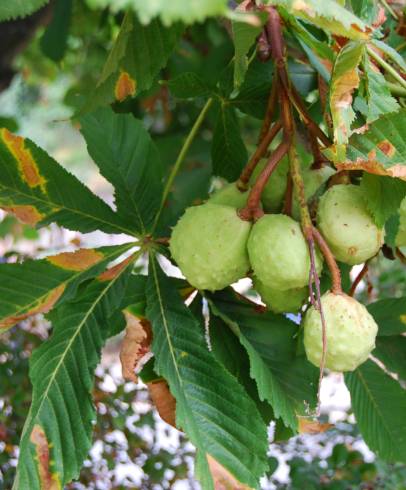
[188,86]
[169,12]
[344,80]
[19,8]
[390,315]
[391,351]
[127,157]
[60,421]
[211,407]
[390,52]
[228,151]
[367,10]
[378,96]
[244,35]
[137,56]
[54,40]
[379,404]
[39,191]
[381,149]
[35,286]
[284,378]
[329,15]
[383,196]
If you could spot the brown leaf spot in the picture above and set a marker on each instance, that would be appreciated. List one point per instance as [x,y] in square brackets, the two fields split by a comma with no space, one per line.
[113,272]
[43,306]
[387,148]
[25,213]
[76,261]
[27,165]
[307,426]
[125,86]
[135,346]
[222,478]
[164,401]
[49,480]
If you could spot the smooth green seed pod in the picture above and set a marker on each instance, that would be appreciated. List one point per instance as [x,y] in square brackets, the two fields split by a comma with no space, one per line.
[278,301]
[279,253]
[209,244]
[230,195]
[347,225]
[350,329]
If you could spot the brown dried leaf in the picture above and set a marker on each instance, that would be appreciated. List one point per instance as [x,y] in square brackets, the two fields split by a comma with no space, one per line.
[222,478]
[164,401]
[49,480]
[307,426]
[135,346]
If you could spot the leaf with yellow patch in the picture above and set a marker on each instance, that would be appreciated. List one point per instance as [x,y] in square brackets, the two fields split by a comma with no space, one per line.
[344,80]
[125,86]
[49,481]
[381,149]
[329,15]
[39,191]
[62,376]
[35,286]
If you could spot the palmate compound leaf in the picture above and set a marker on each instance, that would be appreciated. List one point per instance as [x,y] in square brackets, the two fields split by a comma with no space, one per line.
[137,56]
[39,191]
[35,286]
[327,14]
[128,158]
[379,405]
[283,375]
[57,433]
[390,315]
[212,408]
[380,149]
[19,8]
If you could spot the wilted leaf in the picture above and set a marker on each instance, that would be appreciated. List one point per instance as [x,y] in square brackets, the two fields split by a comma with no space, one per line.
[308,426]
[164,401]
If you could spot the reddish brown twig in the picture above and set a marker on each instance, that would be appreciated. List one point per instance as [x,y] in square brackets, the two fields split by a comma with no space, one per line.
[288,204]
[331,262]
[253,209]
[400,256]
[358,279]
[270,110]
[258,154]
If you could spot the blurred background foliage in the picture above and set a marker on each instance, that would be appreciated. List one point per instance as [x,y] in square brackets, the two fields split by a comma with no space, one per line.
[45,75]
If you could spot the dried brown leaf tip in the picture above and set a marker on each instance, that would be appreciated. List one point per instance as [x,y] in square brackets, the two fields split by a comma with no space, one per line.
[307,426]
[49,480]
[222,478]
[135,349]
[76,261]
[43,305]
[164,401]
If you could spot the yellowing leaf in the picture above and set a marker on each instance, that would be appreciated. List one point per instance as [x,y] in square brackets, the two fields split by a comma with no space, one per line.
[48,480]
[76,261]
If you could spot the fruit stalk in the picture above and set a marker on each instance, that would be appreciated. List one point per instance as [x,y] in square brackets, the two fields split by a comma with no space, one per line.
[270,110]
[336,287]
[358,279]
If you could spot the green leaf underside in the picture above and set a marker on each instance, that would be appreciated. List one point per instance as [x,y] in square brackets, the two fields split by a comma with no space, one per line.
[31,179]
[62,372]
[327,14]
[381,149]
[138,54]
[378,96]
[383,196]
[390,315]
[19,8]
[391,351]
[128,158]
[211,407]
[169,12]
[286,380]
[189,85]
[35,285]
[379,405]
[228,151]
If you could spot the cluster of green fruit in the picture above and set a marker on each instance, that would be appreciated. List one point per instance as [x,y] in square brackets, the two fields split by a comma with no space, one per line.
[214,248]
